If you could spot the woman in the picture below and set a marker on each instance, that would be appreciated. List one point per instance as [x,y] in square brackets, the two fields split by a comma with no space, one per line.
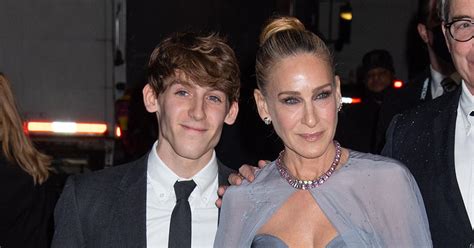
[316,194]
[25,205]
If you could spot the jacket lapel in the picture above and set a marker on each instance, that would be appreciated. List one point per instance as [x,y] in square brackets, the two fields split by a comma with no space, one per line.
[451,202]
[129,212]
[223,173]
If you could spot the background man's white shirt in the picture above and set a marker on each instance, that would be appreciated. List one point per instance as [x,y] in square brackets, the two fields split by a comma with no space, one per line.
[464,150]
[436,78]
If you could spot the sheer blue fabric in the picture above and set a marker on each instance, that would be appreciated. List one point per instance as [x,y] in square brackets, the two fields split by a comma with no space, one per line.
[372,201]
[270,241]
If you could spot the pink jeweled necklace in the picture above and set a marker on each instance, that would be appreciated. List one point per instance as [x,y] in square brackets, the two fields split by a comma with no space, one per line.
[308,184]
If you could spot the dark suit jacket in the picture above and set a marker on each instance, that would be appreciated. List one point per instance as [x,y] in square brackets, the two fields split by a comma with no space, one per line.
[107,208]
[423,139]
[399,100]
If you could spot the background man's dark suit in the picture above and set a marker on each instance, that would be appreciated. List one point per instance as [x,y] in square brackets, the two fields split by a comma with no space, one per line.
[431,128]
[107,208]
[399,100]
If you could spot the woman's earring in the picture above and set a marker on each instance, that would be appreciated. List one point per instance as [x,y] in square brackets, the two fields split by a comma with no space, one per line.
[340,106]
[267,120]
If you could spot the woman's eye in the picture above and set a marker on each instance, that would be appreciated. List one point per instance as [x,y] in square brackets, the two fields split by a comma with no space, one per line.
[323,95]
[215,98]
[290,100]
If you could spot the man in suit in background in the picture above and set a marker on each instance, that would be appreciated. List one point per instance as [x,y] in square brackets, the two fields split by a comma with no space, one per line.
[436,140]
[193,87]
[437,78]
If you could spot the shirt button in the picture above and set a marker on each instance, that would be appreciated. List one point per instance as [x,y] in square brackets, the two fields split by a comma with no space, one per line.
[162,195]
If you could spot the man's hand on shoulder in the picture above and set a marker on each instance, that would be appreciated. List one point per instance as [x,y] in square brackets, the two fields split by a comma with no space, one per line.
[246,171]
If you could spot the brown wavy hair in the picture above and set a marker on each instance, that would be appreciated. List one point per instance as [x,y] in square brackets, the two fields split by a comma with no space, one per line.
[16,145]
[205,58]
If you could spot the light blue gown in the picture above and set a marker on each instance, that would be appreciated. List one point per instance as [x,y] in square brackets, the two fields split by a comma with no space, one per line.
[372,201]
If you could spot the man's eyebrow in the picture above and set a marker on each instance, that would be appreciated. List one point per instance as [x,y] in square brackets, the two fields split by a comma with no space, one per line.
[461,17]
[181,82]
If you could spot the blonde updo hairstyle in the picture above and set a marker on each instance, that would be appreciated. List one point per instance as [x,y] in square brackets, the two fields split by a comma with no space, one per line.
[283,37]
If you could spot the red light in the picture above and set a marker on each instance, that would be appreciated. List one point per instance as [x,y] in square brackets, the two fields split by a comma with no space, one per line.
[118,132]
[66,128]
[397,84]
[350,100]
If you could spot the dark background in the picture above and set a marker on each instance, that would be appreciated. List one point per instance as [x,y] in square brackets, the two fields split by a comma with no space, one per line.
[240,21]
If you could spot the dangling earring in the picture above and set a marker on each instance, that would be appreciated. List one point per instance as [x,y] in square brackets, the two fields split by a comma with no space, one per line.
[340,106]
[267,120]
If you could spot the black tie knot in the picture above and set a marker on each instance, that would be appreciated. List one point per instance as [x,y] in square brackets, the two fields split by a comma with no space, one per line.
[448,84]
[183,189]
[472,113]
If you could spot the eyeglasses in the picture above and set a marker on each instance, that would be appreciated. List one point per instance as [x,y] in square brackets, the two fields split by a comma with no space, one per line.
[461,30]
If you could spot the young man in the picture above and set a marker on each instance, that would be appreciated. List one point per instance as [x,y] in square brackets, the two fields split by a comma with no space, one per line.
[166,198]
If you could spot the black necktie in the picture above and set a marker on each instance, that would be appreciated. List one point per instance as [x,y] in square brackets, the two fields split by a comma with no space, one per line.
[448,84]
[472,113]
[180,225]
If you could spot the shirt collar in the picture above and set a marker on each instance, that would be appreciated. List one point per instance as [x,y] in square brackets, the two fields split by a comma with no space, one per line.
[163,177]
[436,78]
[466,104]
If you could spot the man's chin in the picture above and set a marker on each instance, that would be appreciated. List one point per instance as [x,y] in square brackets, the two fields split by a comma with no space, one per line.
[194,154]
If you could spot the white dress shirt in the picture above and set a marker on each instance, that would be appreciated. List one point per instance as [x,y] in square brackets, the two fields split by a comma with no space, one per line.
[464,150]
[161,200]
[436,78]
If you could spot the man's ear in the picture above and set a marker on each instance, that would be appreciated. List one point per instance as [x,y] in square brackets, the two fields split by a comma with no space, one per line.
[232,114]
[423,32]
[261,104]
[150,99]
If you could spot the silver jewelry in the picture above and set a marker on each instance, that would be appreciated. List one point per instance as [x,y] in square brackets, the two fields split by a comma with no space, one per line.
[308,184]
[267,120]
[340,106]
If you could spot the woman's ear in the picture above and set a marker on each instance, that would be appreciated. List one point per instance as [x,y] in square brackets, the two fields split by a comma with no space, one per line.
[337,81]
[150,99]
[261,104]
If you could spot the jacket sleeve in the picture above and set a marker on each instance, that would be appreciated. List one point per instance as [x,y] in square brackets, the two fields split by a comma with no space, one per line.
[68,230]
[388,147]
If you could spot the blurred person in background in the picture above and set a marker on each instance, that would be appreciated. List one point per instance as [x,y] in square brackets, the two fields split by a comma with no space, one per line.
[358,122]
[438,77]
[26,205]
[378,72]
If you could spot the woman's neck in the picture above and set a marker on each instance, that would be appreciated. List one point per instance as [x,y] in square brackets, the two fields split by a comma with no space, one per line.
[309,168]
